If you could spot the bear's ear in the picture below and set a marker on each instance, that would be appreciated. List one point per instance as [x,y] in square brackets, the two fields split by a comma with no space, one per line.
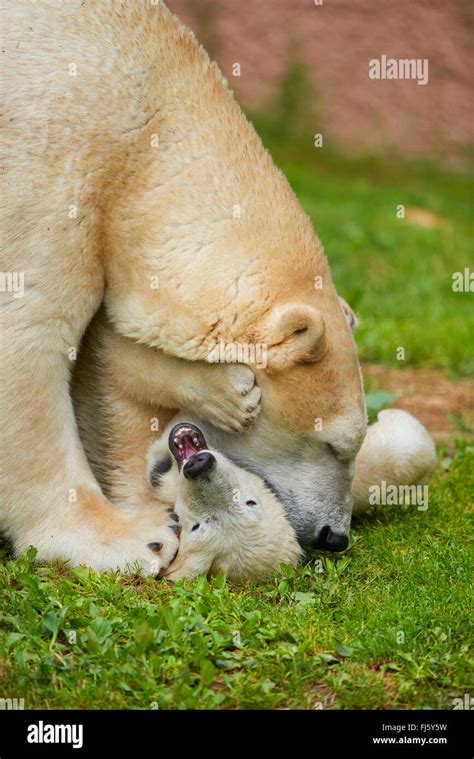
[293,334]
[349,314]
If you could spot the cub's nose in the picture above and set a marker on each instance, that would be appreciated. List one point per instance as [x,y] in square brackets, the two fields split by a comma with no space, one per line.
[198,464]
[328,540]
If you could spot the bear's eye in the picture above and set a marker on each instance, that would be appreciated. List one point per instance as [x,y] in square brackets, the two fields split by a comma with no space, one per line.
[250,502]
[195,527]
[334,452]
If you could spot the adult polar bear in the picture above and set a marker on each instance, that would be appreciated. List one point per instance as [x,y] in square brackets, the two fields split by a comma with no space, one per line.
[134,178]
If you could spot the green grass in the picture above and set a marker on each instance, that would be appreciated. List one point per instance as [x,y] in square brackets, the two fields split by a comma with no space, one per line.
[384,625]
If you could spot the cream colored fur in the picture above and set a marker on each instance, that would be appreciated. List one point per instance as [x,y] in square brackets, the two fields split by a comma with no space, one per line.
[397,450]
[245,542]
[232,522]
[133,179]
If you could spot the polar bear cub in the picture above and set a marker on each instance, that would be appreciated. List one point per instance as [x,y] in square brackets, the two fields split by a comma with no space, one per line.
[230,519]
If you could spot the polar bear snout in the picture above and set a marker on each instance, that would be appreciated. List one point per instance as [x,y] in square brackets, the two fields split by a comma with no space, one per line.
[328,540]
[199,464]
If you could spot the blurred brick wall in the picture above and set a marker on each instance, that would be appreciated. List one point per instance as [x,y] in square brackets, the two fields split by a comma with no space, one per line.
[335,41]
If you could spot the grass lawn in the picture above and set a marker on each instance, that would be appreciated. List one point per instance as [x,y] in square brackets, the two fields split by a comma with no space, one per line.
[386,624]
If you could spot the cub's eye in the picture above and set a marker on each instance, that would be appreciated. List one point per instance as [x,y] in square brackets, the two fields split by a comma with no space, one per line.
[250,503]
[161,467]
[195,527]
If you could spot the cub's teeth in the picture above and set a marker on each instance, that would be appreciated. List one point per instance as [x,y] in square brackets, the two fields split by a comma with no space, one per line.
[195,441]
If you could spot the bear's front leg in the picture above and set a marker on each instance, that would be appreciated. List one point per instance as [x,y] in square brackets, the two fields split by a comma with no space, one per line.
[49,497]
[226,395]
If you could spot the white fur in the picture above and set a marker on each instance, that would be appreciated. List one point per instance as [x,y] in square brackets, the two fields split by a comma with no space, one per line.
[398,450]
[126,157]
[251,541]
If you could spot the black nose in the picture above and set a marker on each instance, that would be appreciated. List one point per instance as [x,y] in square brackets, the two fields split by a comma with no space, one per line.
[328,540]
[198,464]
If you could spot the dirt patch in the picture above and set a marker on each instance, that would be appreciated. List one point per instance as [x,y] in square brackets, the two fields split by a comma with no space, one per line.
[421,217]
[445,407]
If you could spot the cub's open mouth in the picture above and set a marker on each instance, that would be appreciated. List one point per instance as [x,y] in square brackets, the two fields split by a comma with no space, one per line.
[184,441]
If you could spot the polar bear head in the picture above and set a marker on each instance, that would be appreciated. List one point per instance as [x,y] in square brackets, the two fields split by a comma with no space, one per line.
[313,419]
[230,519]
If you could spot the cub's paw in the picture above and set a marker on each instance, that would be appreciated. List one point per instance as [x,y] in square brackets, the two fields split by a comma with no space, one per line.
[229,397]
[161,550]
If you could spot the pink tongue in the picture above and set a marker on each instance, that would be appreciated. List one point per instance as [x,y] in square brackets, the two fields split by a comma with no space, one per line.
[189,448]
